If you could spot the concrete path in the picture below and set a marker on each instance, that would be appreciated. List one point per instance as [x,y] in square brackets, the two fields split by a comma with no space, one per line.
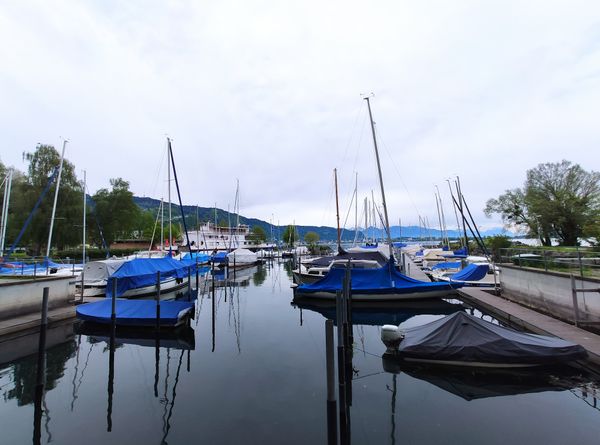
[532,321]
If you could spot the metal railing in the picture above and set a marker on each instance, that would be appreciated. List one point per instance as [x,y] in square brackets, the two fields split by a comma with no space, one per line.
[578,261]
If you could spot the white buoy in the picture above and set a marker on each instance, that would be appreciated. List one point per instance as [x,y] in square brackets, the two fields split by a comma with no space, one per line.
[391,336]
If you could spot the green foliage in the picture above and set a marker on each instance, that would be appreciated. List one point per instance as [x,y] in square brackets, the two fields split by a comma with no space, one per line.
[290,235]
[258,234]
[559,199]
[26,189]
[311,238]
[116,213]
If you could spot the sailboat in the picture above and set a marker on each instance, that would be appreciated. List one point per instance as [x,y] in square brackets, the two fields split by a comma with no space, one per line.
[313,270]
[383,283]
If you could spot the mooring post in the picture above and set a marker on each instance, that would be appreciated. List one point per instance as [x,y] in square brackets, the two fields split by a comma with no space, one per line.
[157,300]
[341,355]
[41,371]
[348,338]
[34,269]
[111,372]
[197,273]
[113,305]
[189,283]
[331,403]
[234,272]
[575,304]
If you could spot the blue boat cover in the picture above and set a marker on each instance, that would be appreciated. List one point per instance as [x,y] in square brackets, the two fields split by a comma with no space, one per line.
[219,257]
[201,258]
[141,272]
[473,272]
[383,280]
[447,265]
[134,312]
[461,251]
[399,244]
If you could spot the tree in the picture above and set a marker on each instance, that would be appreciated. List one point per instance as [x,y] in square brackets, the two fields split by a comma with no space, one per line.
[258,234]
[558,199]
[290,235]
[117,213]
[42,163]
[311,238]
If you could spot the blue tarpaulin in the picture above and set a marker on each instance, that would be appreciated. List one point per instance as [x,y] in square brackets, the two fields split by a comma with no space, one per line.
[447,265]
[473,272]
[142,272]
[383,280]
[134,312]
[200,258]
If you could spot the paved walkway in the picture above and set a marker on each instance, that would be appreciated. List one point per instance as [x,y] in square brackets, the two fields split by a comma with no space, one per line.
[532,320]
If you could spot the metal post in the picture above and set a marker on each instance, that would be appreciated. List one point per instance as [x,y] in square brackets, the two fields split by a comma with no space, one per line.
[580,263]
[41,370]
[113,308]
[331,402]
[157,300]
[189,286]
[197,273]
[575,303]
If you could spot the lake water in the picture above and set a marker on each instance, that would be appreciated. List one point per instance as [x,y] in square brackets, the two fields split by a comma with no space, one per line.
[258,375]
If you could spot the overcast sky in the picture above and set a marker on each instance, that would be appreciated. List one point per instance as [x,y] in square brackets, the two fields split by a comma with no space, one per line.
[269,92]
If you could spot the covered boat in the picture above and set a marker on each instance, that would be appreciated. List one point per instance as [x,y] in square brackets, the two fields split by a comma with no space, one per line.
[95,276]
[464,340]
[383,283]
[138,277]
[136,312]
[242,257]
[472,275]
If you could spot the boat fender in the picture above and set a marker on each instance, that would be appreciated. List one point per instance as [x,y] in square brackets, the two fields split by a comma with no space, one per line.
[391,336]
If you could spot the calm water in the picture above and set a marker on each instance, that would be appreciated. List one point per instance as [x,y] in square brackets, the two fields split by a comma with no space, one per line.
[257,375]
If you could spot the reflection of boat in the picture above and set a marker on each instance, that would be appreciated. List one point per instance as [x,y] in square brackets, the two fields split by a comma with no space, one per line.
[483,383]
[464,340]
[380,312]
[233,277]
[180,338]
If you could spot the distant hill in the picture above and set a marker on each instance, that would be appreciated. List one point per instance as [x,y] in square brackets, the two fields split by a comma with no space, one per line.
[194,214]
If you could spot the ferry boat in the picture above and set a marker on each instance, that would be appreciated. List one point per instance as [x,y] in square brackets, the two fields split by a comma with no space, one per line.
[210,237]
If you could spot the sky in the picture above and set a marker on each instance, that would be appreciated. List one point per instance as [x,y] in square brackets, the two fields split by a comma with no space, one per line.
[269,93]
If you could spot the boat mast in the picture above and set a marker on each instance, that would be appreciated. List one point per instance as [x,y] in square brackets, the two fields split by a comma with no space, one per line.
[455,213]
[62,157]
[437,204]
[460,203]
[84,217]
[169,193]
[355,210]
[385,212]
[162,225]
[337,212]
[5,204]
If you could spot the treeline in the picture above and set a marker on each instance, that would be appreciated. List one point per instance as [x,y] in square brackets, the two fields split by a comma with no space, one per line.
[111,212]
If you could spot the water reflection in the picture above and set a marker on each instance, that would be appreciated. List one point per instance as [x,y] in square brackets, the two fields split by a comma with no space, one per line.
[378,313]
[478,383]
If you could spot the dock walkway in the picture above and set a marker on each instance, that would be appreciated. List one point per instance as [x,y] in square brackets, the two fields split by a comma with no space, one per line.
[531,320]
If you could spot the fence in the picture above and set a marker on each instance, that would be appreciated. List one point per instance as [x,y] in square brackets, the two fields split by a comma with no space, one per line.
[582,262]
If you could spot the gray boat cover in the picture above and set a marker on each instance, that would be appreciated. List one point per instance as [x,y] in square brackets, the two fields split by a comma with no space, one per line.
[324,261]
[464,338]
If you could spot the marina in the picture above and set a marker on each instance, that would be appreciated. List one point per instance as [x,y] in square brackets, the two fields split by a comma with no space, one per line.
[230,367]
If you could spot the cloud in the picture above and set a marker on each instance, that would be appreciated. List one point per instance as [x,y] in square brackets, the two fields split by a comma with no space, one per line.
[269,93]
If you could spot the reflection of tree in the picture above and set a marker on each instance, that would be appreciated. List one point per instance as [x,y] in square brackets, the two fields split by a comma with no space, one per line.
[259,276]
[288,267]
[24,372]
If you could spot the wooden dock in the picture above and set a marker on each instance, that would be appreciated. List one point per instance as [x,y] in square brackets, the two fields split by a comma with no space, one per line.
[517,315]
